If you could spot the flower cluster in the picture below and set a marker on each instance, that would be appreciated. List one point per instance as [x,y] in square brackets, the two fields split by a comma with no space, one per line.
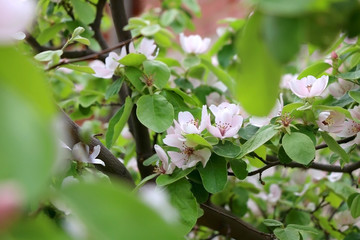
[227,123]
[107,70]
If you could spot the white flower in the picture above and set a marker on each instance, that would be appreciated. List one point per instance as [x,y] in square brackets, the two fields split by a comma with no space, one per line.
[309,86]
[188,124]
[335,176]
[81,153]
[101,71]
[148,48]
[158,199]
[15,16]
[194,44]
[166,167]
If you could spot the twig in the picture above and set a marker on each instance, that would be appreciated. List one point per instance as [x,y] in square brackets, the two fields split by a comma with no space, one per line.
[94,55]
[96,24]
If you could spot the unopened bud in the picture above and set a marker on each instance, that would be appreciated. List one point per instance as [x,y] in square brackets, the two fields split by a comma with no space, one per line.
[334,55]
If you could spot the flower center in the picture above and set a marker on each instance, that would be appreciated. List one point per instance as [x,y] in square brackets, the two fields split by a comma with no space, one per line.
[194,122]
[309,87]
[223,127]
[328,121]
[189,151]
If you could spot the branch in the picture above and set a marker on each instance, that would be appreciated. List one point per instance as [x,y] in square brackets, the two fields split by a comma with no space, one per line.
[92,56]
[96,24]
[229,225]
[113,167]
[140,133]
[67,54]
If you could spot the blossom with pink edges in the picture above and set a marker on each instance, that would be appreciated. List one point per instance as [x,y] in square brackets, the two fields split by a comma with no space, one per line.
[166,167]
[228,121]
[331,121]
[309,86]
[189,125]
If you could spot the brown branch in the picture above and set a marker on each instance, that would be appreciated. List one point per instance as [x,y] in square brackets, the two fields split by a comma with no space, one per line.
[229,225]
[96,24]
[92,56]
[345,140]
[113,167]
[140,133]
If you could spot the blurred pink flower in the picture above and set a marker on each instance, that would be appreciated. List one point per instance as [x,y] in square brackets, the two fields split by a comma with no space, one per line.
[351,127]
[194,44]
[166,167]
[339,88]
[309,86]
[11,201]
[331,121]
[100,69]
[15,16]
[227,120]
[276,111]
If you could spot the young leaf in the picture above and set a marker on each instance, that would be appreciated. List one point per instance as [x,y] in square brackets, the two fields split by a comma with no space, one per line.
[355,95]
[335,147]
[272,223]
[214,175]
[287,234]
[114,88]
[197,139]
[84,11]
[355,207]
[48,55]
[150,30]
[117,122]
[299,147]
[155,112]
[79,68]
[166,179]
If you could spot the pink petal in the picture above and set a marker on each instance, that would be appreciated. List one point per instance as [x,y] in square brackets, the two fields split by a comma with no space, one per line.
[178,159]
[173,140]
[214,131]
[162,156]
[318,86]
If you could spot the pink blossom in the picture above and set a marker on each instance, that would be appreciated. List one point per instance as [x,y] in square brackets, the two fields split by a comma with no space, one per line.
[166,167]
[188,124]
[148,48]
[15,16]
[331,121]
[262,121]
[11,201]
[338,89]
[309,86]
[188,156]
[351,127]
[227,120]
[81,152]
[194,44]
[101,71]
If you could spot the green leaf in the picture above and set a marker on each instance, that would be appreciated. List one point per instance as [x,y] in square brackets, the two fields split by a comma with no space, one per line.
[272,223]
[155,112]
[145,180]
[351,198]
[79,68]
[159,71]
[214,175]
[114,88]
[117,122]
[355,95]
[193,5]
[178,173]
[197,139]
[48,55]
[184,201]
[355,207]
[191,61]
[82,40]
[154,158]
[283,37]
[259,74]
[170,62]
[49,33]
[299,147]
[84,11]
[77,32]
[134,75]
[335,147]
[117,203]
[316,70]
[168,16]
[133,59]
[227,149]
[302,228]
[263,135]
[298,217]
[184,96]
[150,30]
[349,75]
[239,167]
[287,234]
[88,100]
[219,73]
